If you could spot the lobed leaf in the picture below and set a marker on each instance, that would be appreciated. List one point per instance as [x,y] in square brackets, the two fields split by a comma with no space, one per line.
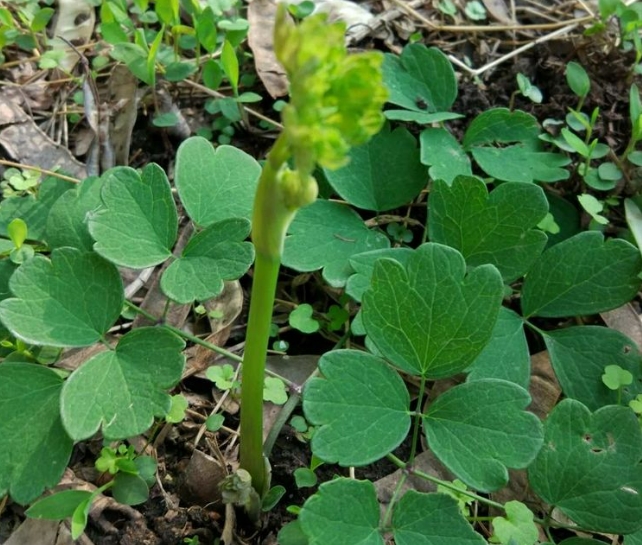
[325,235]
[499,433]
[67,220]
[589,466]
[506,355]
[215,184]
[217,254]
[579,356]
[582,275]
[498,228]
[122,390]
[71,300]
[342,511]
[431,318]
[35,448]
[138,224]
[361,406]
[382,174]
[431,519]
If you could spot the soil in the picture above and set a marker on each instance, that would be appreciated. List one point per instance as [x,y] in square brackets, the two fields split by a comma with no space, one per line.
[165,524]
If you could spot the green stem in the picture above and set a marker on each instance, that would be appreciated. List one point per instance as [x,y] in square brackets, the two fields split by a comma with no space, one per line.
[266,273]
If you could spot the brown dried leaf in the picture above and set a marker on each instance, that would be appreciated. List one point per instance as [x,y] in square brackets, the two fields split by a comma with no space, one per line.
[228,305]
[261,14]
[625,319]
[499,11]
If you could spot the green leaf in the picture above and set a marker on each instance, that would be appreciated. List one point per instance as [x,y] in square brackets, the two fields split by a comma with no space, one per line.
[35,449]
[274,390]
[634,220]
[41,19]
[582,275]
[431,519]
[17,231]
[577,78]
[230,65]
[420,77]
[138,225]
[593,207]
[178,71]
[176,412]
[292,534]
[301,319]
[58,506]
[579,356]
[432,318]
[168,119]
[217,254]
[498,228]
[500,434]
[326,235]
[615,377]
[576,143]
[443,153]
[343,511]
[488,136]
[122,390]
[66,223]
[361,406]
[71,300]
[304,477]
[33,211]
[506,356]
[130,489]
[589,467]
[214,422]
[221,375]
[383,174]
[215,183]
[517,527]
[631,539]
[363,266]
[206,29]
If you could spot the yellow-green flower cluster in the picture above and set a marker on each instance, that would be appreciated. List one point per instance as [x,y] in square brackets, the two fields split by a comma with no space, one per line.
[335,98]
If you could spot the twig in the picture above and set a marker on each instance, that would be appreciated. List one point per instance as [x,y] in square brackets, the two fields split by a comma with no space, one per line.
[40,170]
[519,50]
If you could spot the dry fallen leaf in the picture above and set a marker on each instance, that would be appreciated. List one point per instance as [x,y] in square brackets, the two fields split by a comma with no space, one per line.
[261,14]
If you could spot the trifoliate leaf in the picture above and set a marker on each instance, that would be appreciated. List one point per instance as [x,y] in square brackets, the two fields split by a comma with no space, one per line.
[342,511]
[431,318]
[301,319]
[614,377]
[444,154]
[215,183]
[217,254]
[122,390]
[382,174]
[221,375]
[497,228]
[326,235]
[375,397]
[67,221]
[71,300]
[579,356]
[589,466]
[35,448]
[431,519]
[138,223]
[582,275]
[506,356]
[500,434]
[517,527]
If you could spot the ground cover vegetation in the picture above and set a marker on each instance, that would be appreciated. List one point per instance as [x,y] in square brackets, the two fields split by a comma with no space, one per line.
[466,278]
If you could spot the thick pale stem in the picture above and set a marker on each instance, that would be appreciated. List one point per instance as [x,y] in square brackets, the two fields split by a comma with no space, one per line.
[269,224]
